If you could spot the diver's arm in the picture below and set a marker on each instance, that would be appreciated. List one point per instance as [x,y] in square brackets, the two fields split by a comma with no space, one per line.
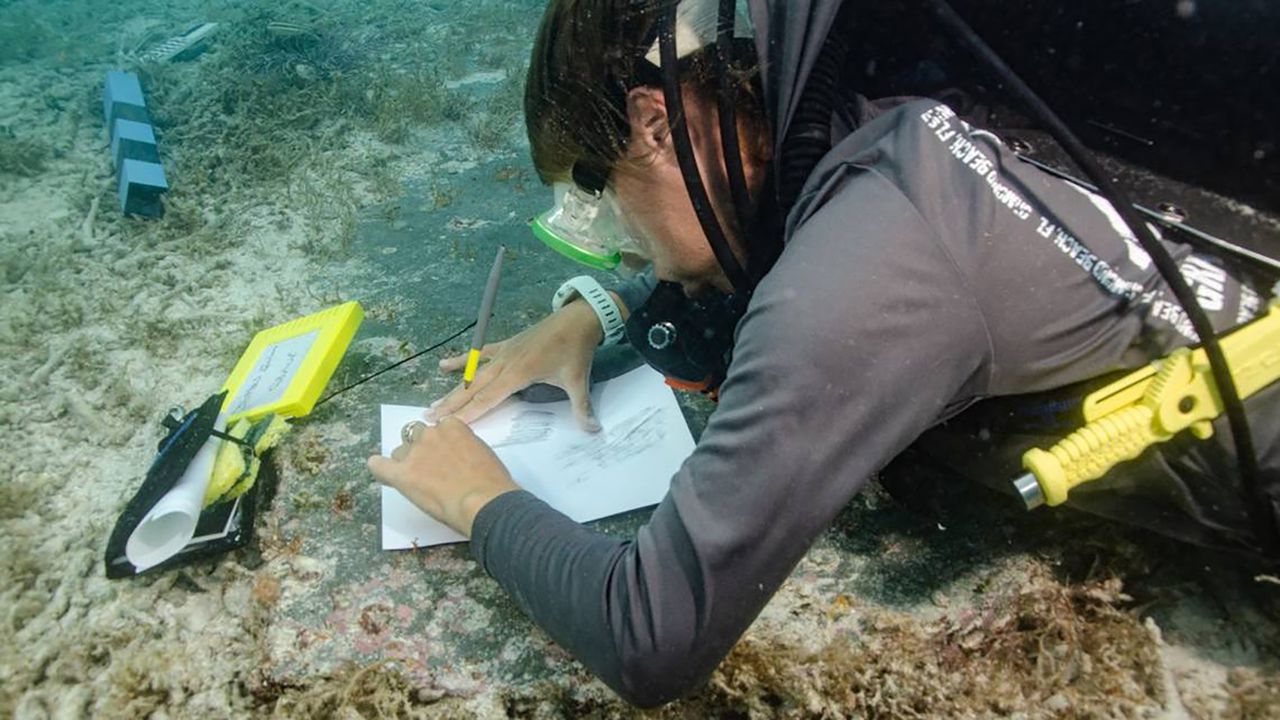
[834,373]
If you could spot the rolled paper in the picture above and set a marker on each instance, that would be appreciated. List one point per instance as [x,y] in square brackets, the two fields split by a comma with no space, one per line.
[171,523]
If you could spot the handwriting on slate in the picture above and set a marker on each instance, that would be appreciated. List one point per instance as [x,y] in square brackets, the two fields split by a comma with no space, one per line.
[273,373]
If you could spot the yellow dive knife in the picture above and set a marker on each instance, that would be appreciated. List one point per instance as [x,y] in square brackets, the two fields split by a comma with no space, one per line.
[1150,406]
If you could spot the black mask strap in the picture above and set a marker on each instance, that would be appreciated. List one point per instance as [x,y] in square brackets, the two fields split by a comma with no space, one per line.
[589,177]
[688,162]
[728,97]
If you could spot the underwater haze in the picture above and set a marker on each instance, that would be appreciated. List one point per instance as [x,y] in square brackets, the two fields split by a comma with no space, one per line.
[374,150]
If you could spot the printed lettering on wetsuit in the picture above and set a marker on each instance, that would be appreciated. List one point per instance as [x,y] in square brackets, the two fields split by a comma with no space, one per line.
[954,133]
[1208,280]
[1137,255]
[1171,313]
[1250,304]
[970,154]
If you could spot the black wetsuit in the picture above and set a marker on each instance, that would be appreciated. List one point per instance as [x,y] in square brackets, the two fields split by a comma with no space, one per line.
[925,268]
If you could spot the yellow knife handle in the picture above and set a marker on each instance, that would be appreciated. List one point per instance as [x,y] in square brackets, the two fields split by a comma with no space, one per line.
[1177,393]
[1089,452]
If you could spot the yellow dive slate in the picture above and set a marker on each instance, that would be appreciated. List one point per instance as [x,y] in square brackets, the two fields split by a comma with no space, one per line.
[285,368]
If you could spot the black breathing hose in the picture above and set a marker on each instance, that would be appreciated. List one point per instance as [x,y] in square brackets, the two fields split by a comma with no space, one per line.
[1260,510]
[809,133]
[729,144]
[688,162]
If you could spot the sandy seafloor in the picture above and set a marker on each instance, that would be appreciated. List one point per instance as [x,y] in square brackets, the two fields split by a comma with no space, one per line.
[384,164]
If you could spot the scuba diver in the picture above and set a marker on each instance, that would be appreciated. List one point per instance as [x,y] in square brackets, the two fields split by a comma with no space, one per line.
[849,277]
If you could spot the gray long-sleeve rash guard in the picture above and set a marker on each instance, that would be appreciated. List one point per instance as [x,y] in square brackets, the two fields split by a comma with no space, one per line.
[925,268]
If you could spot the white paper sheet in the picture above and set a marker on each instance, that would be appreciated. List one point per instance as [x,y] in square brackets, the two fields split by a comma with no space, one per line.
[587,476]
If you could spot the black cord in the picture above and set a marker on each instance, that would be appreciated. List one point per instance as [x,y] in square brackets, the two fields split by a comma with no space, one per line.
[1260,510]
[394,365]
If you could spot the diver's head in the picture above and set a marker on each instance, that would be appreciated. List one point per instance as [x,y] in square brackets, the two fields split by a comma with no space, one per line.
[597,121]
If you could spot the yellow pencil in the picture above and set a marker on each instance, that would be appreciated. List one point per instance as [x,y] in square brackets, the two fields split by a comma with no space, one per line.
[482,322]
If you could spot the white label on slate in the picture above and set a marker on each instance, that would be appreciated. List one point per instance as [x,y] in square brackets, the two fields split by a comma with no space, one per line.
[273,373]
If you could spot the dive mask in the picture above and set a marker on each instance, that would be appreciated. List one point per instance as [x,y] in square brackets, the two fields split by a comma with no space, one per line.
[587,227]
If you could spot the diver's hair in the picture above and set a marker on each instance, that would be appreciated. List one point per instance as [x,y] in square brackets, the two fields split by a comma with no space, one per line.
[587,55]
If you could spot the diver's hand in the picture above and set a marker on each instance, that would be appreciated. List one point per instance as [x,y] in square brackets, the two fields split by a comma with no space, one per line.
[447,472]
[558,351]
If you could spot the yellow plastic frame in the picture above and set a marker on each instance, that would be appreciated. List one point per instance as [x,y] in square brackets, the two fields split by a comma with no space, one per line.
[335,327]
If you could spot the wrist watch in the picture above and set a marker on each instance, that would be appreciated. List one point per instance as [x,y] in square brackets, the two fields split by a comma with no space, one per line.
[600,301]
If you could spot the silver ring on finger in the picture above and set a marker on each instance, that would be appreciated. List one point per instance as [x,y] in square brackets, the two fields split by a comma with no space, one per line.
[410,431]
